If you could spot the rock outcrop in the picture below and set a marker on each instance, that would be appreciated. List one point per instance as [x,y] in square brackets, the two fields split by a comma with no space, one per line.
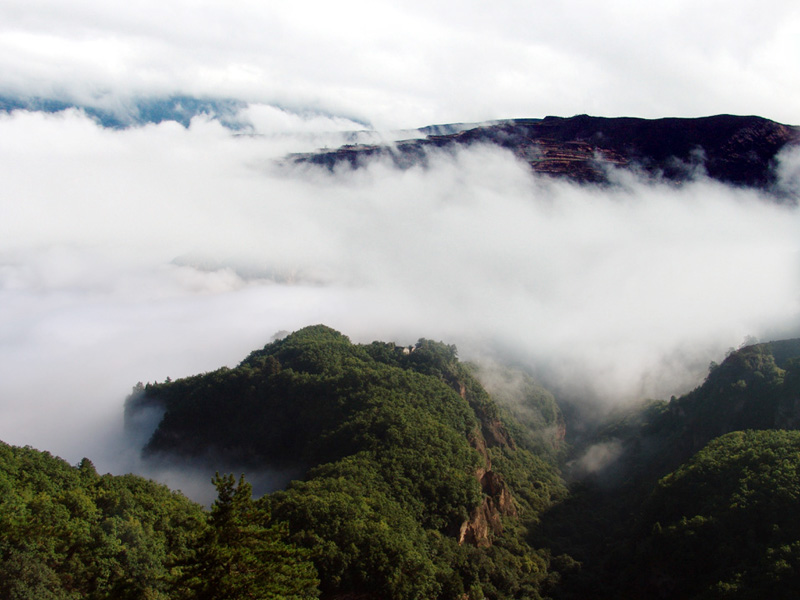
[485,520]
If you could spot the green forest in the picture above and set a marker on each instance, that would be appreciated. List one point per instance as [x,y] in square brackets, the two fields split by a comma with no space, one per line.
[415,482]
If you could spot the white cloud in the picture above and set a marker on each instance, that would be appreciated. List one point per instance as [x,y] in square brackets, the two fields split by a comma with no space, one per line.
[141,254]
[597,458]
[400,67]
[616,293]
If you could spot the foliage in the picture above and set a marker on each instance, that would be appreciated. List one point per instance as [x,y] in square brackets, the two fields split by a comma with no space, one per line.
[756,387]
[243,554]
[396,446]
[67,532]
[392,441]
[534,417]
[741,393]
[727,523]
[360,537]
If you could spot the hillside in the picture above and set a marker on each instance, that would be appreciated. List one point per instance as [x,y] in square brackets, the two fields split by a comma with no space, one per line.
[415,482]
[755,387]
[607,522]
[731,149]
[67,532]
[725,524]
[595,530]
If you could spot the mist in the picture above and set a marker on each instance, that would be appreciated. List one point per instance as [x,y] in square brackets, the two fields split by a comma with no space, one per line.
[163,251]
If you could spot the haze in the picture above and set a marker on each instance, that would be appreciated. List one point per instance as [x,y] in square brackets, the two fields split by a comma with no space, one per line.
[162,251]
[156,252]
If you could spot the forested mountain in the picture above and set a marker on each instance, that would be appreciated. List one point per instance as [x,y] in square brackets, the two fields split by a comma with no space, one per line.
[726,523]
[608,522]
[416,485]
[415,482]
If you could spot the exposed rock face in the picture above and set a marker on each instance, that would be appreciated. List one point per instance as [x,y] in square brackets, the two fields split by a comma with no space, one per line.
[732,149]
[485,520]
[560,433]
[496,435]
[493,430]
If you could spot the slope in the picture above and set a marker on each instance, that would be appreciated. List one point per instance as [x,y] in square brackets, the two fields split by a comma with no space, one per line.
[739,150]
[608,520]
[414,484]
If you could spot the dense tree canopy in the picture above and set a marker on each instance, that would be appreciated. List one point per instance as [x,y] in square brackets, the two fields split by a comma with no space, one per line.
[417,482]
[243,554]
[67,532]
[395,444]
[727,523]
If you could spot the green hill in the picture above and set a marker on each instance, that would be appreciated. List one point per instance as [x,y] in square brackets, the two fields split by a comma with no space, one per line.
[727,523]
[754,388]
[417,484]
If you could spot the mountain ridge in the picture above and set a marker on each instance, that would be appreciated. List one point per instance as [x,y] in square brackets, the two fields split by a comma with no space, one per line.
[404,440]
[739,150]
[419,484]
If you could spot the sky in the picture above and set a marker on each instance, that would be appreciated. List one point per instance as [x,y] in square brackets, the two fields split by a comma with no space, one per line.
[401,65]
[159,250]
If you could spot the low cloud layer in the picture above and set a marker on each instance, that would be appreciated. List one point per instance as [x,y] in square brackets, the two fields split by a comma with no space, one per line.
[162,251]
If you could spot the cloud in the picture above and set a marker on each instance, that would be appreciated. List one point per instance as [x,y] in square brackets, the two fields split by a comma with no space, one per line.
[788,169]
[422,63]
[133,255]
[596,458]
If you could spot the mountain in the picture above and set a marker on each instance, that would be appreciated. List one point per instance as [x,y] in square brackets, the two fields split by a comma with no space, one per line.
[137,111]
[738,150]
[670,494]
[733,149]
[725,524]
[412,481]
[353,420]
[757,387]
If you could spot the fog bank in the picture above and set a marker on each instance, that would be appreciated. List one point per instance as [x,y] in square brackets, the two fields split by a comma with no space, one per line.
[160,251]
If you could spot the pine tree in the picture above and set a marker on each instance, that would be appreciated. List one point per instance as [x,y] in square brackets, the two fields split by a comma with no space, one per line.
[244,555]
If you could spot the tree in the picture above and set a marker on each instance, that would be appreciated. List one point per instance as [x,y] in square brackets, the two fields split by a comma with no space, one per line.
[244,555]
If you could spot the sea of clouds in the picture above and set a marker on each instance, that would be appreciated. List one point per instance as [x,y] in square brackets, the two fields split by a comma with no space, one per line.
[163,251]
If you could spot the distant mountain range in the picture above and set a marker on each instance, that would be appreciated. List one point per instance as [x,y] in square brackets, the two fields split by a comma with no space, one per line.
[738,150]
[137,111]
[733,149]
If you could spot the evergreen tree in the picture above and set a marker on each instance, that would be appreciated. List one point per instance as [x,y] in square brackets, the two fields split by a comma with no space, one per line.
[244,555]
